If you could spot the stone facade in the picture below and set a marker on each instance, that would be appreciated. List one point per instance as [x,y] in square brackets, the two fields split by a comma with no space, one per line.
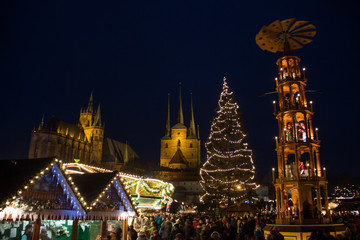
[180,157]
[84,141]
[180,146]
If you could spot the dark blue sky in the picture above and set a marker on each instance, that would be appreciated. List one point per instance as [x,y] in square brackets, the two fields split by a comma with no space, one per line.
[133,53]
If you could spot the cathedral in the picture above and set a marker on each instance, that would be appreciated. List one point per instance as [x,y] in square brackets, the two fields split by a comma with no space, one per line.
[180,146]
[180,155]
[83,141]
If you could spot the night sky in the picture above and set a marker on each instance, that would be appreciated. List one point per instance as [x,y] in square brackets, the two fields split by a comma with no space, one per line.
[133,53]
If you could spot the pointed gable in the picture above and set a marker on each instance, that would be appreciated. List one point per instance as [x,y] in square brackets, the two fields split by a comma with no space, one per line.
[105,196]
[178,158]
[90,185]
[38,187]
[14,173]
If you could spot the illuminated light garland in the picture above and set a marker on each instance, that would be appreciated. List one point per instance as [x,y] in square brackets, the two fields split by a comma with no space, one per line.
[131,182]
[56,170]
[229,162]
[17,207]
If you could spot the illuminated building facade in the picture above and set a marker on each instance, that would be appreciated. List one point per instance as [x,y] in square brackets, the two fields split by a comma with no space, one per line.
[180,155]
[180,146]
[84,141]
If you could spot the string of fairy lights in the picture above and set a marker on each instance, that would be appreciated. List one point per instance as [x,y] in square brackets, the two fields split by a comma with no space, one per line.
[18,205]
[164,189]
[133,184]
[229,170]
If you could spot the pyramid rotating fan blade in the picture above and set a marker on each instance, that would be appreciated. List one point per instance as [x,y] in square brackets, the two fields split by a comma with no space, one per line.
[279,46]
[287,23]
[275,27]
[302,40]
[260,39]
[293,44]
[305,34]
[297,24]
[274,44]
[270,34]
[272,37]
[308,27]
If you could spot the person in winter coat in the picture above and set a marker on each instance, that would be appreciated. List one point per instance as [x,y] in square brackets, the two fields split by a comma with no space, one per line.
[155,235]
[159,222]
[189,231]
[152,228]
[229,232]
[166,229]
[215,236]
[175,231]
[28,232]
[142,236]
[133,233]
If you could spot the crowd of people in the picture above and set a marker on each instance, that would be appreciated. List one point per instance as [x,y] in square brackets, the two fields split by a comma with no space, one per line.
[204,227]
[199,227]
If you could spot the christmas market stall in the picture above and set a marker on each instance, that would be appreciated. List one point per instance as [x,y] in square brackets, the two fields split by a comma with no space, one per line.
[148,194]
[107,200]
[38,197]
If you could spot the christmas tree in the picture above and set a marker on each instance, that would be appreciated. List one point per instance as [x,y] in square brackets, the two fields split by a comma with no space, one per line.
[228,174]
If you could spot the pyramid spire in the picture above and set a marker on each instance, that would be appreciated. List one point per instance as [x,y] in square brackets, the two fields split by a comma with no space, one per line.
[180,116]
[192,130]
[126,155]
[198,131]
[167,125]
[97,119]
[90,104]
[41,125]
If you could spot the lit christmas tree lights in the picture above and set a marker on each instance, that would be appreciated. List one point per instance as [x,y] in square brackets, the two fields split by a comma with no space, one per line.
[228,174]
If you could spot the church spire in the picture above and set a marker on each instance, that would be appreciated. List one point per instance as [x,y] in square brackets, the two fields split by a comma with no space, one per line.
[97,119]
[198,131]
[41,125]
[167,126]
[90,104]
[180,117]
[192,130]
[126,155]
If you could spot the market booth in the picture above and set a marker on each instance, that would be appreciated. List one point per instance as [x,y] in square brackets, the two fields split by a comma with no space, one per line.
[148,194]
[38,192]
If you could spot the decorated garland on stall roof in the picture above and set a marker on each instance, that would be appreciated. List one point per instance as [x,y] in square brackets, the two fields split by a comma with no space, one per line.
[165,189]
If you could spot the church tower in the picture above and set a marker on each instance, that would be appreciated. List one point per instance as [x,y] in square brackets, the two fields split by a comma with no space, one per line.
[180,146]
[90,121]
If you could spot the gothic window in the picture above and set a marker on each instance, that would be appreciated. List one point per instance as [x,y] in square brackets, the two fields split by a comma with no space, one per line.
[166,145]
[191,145]
[179,143]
